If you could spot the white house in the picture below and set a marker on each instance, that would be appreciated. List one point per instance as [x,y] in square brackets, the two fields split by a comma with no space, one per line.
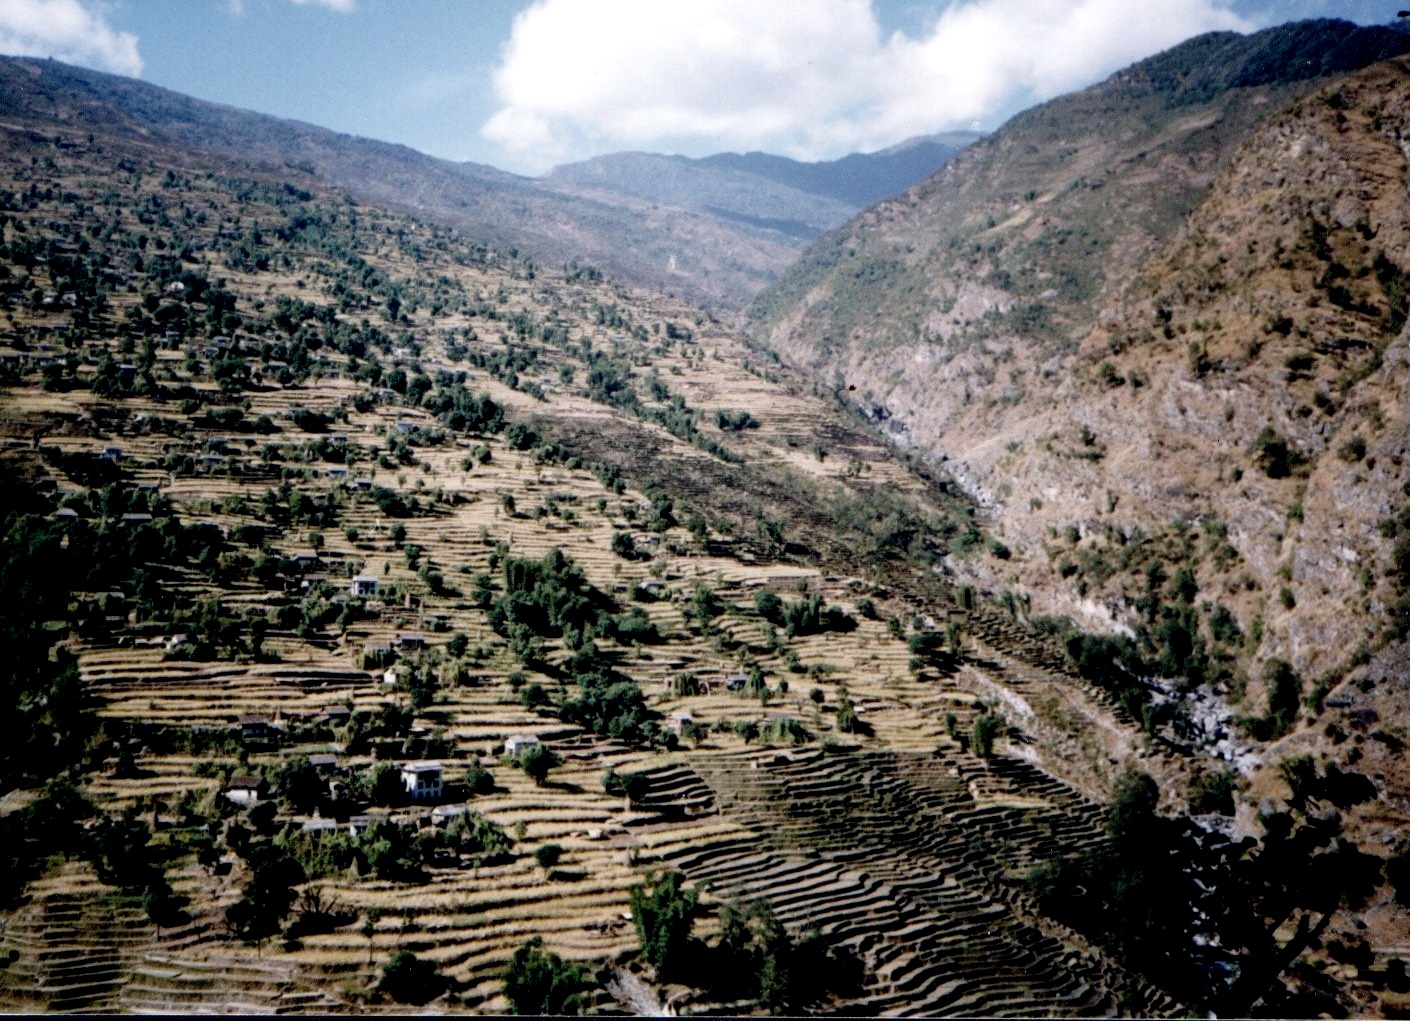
[422,780]
[516,745]
[679,721]
[245,790]
[441,815]
[364,585]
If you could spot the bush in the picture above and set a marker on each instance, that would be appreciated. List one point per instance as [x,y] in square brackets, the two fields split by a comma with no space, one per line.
[408,979]
[623,545]
[538,981]
[1284,695]
[1213,793]
[986,728]
[663,913]
[735,421]
[1273,455]
[536,761]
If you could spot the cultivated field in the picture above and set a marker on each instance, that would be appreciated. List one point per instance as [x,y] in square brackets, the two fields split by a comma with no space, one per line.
[358,400]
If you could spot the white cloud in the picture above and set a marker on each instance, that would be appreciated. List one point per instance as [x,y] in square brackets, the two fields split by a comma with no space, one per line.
[341,6]
[67,30]
[812,80]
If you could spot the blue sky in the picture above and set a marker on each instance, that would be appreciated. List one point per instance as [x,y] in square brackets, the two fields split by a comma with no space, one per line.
[525,84]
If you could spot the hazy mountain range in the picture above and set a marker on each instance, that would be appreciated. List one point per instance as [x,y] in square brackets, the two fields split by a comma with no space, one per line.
[715,230]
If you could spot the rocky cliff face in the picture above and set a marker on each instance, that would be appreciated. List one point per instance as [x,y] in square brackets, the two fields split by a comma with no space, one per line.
[1156,326]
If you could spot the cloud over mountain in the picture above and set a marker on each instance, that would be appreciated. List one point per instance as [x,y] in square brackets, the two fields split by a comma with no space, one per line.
[67,30]
[810,80]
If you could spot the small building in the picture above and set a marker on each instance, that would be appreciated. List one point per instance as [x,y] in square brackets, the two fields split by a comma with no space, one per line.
[336,715]
[260,728]
[209,531]
[136,519]
[305,559]
[736,682]
[112,453]
[405,426]
[245,790]
[364,586]
[441,815]
[324,762]
[318,824]
[516,745]
[336,472]
[652,589]
[411,643]
[363,483]
[678,722]
[391,677]
[423,780]
[376,654]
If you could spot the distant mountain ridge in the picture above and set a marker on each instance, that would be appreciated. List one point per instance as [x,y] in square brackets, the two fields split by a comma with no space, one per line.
[797,198]
[718,253]
[858,179]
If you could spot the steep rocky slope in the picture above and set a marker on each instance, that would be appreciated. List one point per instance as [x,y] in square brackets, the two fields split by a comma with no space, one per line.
[994,317]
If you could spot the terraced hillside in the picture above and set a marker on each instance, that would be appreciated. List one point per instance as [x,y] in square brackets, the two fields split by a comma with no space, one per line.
[313,509]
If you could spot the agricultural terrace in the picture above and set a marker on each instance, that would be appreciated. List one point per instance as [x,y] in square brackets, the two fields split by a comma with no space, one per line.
[301,493]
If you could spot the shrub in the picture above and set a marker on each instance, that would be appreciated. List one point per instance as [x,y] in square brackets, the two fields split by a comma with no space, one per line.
[735,421]
[408,979]
[538,981]
[1273,455]
[1213,792]
[1284,694]
[663,913]
[536,761]
[629,785]
[623,545]
[985,729]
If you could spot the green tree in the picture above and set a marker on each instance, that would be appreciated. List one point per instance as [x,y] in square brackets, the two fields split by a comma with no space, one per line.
[406,978]
[663,912]
[537,761]
[538,981]
[986,728]
[300,785]
[269,893]
[623,545]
